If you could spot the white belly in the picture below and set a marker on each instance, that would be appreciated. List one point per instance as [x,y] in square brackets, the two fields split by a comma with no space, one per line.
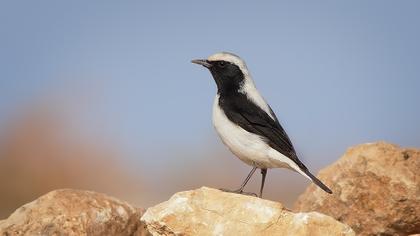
[248,147]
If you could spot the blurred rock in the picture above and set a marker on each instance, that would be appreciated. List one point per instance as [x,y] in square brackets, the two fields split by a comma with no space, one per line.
[74,212]
[376,190]
[208,211]
[40,147]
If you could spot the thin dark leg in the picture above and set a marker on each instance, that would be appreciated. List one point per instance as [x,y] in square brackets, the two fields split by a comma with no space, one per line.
[263,173]
[247,179]
[240,190]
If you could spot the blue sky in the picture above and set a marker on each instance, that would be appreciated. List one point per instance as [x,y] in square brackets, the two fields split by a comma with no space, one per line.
[336,73]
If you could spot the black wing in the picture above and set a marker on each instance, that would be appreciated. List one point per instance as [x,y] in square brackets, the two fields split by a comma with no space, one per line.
[253,119]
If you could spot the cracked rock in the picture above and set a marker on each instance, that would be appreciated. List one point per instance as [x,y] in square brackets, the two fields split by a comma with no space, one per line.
[73,212]
[207,211]
[376,190]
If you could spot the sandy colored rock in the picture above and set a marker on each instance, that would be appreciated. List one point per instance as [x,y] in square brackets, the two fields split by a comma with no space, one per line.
[73,212]
[208,211]
[376,190]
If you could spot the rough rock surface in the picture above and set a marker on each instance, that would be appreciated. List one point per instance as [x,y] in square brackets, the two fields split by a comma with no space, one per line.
[73,212]
[208,211]
[376,190]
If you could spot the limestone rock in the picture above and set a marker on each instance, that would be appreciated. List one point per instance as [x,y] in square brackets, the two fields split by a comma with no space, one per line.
[73,212]
[208,211]
[376,190]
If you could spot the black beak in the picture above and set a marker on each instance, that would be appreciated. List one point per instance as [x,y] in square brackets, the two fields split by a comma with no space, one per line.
[202,62]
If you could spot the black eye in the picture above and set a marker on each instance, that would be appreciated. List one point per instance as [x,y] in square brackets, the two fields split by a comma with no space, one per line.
[221,64]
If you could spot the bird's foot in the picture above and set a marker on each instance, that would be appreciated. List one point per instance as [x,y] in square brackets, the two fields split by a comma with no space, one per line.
[239,191]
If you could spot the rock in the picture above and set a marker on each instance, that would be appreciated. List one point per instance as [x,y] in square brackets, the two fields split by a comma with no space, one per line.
[208,211]
[376,190]
[73,212]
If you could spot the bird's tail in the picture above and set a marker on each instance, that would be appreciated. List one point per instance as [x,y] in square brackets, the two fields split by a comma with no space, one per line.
[316,181]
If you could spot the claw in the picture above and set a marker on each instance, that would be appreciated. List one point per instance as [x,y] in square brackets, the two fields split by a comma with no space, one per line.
[239,191]
[249,194]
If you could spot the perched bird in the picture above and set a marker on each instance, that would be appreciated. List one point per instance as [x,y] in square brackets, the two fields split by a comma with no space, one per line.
[246,123]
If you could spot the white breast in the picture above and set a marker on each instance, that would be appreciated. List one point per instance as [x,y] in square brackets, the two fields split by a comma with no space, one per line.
[248,147]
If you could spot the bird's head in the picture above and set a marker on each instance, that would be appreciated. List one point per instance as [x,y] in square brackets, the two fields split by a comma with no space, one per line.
[229,71]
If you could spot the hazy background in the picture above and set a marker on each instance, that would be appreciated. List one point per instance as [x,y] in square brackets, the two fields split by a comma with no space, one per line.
[101,95]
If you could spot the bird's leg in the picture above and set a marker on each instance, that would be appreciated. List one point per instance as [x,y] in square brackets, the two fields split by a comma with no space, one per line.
[263,173]
[240,190]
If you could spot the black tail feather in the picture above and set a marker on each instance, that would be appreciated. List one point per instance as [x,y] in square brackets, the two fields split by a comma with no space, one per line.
[317,181]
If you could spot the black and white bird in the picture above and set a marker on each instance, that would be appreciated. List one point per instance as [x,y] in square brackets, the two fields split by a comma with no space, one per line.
[246,123]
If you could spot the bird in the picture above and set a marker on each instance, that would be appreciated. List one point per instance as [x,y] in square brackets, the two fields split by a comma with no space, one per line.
[246,123]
